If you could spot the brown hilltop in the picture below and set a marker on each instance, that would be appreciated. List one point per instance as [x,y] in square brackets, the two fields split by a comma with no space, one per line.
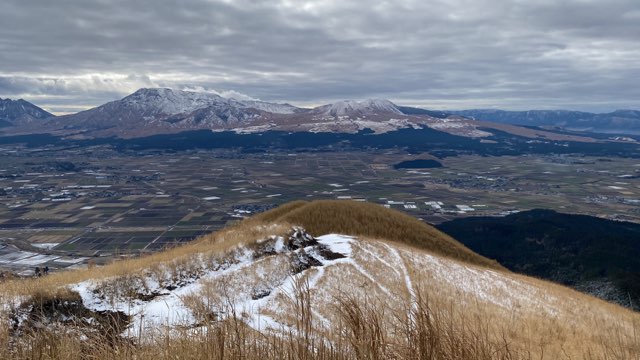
[373,221]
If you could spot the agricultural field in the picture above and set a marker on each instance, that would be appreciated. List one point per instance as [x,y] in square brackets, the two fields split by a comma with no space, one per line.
[69,207]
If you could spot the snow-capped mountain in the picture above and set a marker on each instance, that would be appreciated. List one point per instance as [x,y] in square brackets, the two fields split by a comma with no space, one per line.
[13,112]
[355,108]
[171,102]
[162,110]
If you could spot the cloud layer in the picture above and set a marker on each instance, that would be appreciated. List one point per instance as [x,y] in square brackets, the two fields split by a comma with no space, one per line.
[518,54]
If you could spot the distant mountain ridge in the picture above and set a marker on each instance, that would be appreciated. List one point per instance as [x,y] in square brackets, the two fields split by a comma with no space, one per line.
[168,110]
[152,111]
[155,111]
[619,121]
[15,112]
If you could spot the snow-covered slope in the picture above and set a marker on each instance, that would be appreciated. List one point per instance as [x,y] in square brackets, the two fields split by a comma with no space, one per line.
[269,282]
[358,108]
[167,101]
[259,281]
[171,102]
[273,108]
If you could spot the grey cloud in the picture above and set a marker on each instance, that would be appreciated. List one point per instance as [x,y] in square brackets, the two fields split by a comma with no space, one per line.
[457,53]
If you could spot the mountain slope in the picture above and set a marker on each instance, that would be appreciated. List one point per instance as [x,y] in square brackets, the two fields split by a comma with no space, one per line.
[593,255]
[15,112]
[264,290]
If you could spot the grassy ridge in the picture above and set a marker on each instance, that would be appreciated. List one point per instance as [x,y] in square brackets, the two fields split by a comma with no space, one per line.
[318,217]
[435,322]
[374,221]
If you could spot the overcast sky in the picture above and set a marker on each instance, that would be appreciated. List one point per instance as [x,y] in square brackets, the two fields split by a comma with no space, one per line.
[67,55]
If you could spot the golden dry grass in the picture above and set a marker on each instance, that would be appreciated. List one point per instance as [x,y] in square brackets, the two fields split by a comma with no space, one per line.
[428,327]
[374,221]
[435,322]
[544,320]
[243,233]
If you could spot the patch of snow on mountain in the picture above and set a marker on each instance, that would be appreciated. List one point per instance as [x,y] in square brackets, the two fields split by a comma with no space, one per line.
[353,107]
[337,243]
[254,129]
[483,284]
[171,102]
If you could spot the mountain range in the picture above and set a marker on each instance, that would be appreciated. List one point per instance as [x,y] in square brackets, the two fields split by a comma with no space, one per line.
[155,111]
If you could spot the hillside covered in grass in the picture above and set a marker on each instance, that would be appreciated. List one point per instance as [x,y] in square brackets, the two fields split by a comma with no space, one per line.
[372,221]
[597,256]
[360,282]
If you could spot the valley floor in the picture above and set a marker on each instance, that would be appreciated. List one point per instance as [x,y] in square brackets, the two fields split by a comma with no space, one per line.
[100,203]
